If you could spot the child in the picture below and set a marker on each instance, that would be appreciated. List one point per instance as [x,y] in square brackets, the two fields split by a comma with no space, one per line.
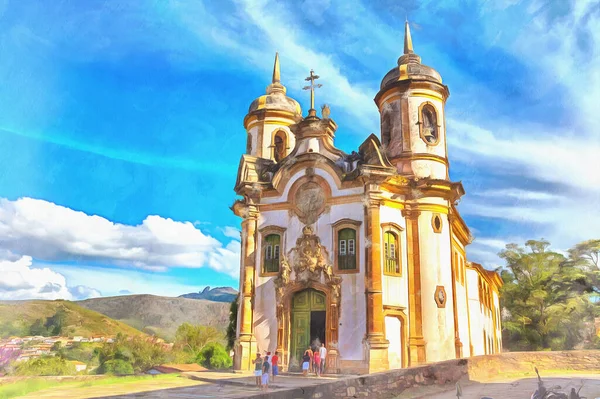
[317,361]
[258,365]
[265,375]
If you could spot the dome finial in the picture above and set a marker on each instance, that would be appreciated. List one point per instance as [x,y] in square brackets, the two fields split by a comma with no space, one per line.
[276,73]
[408,46]
[276,86]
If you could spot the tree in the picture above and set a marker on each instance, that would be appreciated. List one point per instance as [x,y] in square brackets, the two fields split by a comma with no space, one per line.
[116,367]
[192,338]
[543,294]
[137,351]
[49,365]
[55,323]
[214,356]
[38,328]
[232,327]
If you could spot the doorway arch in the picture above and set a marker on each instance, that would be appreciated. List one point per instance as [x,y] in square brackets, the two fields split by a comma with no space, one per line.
[308,322]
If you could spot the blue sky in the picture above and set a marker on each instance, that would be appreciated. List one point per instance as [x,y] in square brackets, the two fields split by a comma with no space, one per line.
[121,125]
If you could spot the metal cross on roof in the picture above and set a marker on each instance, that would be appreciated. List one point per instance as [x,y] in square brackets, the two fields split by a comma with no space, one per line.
[312,87]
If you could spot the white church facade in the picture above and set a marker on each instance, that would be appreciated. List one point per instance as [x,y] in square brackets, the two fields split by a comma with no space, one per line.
[365,252]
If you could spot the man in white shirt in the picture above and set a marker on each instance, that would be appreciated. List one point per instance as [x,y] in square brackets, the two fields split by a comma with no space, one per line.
[323,355]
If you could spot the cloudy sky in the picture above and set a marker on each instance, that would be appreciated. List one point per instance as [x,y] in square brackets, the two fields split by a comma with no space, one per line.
[121,125]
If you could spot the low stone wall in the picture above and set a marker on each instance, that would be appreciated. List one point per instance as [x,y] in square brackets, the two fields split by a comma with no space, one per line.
[389,384]
[485,367]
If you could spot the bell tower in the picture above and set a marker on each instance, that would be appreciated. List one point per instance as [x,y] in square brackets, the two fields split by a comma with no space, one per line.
[268,120]
[411,102]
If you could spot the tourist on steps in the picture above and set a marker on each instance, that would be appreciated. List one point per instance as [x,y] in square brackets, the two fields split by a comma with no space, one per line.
[258,362]
[317,363]
[322,355]
[275,364]
[306,358]
[265,375]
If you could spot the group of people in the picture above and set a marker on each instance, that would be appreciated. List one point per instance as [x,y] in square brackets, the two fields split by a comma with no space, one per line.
[314,360]
[264,367]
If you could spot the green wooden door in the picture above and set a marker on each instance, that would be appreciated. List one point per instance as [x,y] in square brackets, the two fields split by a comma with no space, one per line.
[302,304]
[300,334]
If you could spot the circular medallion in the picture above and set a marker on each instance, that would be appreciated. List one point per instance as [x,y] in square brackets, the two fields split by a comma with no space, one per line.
[310,202]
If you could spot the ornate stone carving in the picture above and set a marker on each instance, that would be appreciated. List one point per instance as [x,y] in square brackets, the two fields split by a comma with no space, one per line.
[309,202]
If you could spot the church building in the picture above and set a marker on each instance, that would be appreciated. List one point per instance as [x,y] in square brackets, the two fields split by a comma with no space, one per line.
[364,252]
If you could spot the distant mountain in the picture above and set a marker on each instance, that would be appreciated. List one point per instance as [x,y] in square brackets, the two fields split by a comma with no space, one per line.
[160,315]
[16,318]
[218,294]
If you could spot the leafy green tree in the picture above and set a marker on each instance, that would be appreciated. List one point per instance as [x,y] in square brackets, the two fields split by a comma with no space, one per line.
[49,365]
[55,323]
[116,367]
[232,327]
[544,295]
[214,356]
[192,338]
[38,328]
[138,351]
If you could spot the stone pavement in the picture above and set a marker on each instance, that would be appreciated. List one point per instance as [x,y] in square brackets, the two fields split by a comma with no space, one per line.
[519,389]
[224,386]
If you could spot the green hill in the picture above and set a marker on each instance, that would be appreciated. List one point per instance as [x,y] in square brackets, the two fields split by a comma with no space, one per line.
[161,315]
[17,317]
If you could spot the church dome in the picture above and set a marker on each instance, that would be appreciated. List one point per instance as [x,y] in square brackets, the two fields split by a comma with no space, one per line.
[409,66]
[275,99]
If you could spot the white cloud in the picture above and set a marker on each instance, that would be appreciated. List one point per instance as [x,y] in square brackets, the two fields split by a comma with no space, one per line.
[522,195]
[20,281]
[231,232]
[47,231]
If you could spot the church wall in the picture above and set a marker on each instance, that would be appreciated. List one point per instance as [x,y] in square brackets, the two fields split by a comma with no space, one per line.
[395,289]
[253,132]
[438,323]
[461,295]
[353,306]
[475,310]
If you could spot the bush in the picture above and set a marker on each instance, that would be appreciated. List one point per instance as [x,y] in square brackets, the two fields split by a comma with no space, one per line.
[116,367]
[50,365]
[214,356]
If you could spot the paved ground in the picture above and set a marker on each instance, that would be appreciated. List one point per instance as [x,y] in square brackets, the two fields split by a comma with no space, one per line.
[220,385]
[519,389]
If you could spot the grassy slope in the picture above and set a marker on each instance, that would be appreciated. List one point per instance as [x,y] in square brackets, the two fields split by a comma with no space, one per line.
[161,315]
[87,387]
[79,321]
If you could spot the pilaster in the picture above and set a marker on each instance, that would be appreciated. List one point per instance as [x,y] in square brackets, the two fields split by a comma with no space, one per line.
[416,342]
[246,345]
[376,343]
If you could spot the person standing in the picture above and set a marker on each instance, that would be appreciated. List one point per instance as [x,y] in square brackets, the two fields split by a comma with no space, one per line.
[258,365]
[317,363]
[323,355]
[306,361]
[265,375]
[275,365]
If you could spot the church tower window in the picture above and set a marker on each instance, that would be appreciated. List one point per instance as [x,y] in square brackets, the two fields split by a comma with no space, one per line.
[392,254]
[279,145]
[428,124]
[271,253]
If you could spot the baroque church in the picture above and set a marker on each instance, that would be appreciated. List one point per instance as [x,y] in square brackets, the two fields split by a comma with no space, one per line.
[364,252]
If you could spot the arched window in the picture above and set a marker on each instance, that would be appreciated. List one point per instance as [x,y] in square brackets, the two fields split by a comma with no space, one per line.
[392,254]
[347,249]
[429,124]
[271,249]
[280,145]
